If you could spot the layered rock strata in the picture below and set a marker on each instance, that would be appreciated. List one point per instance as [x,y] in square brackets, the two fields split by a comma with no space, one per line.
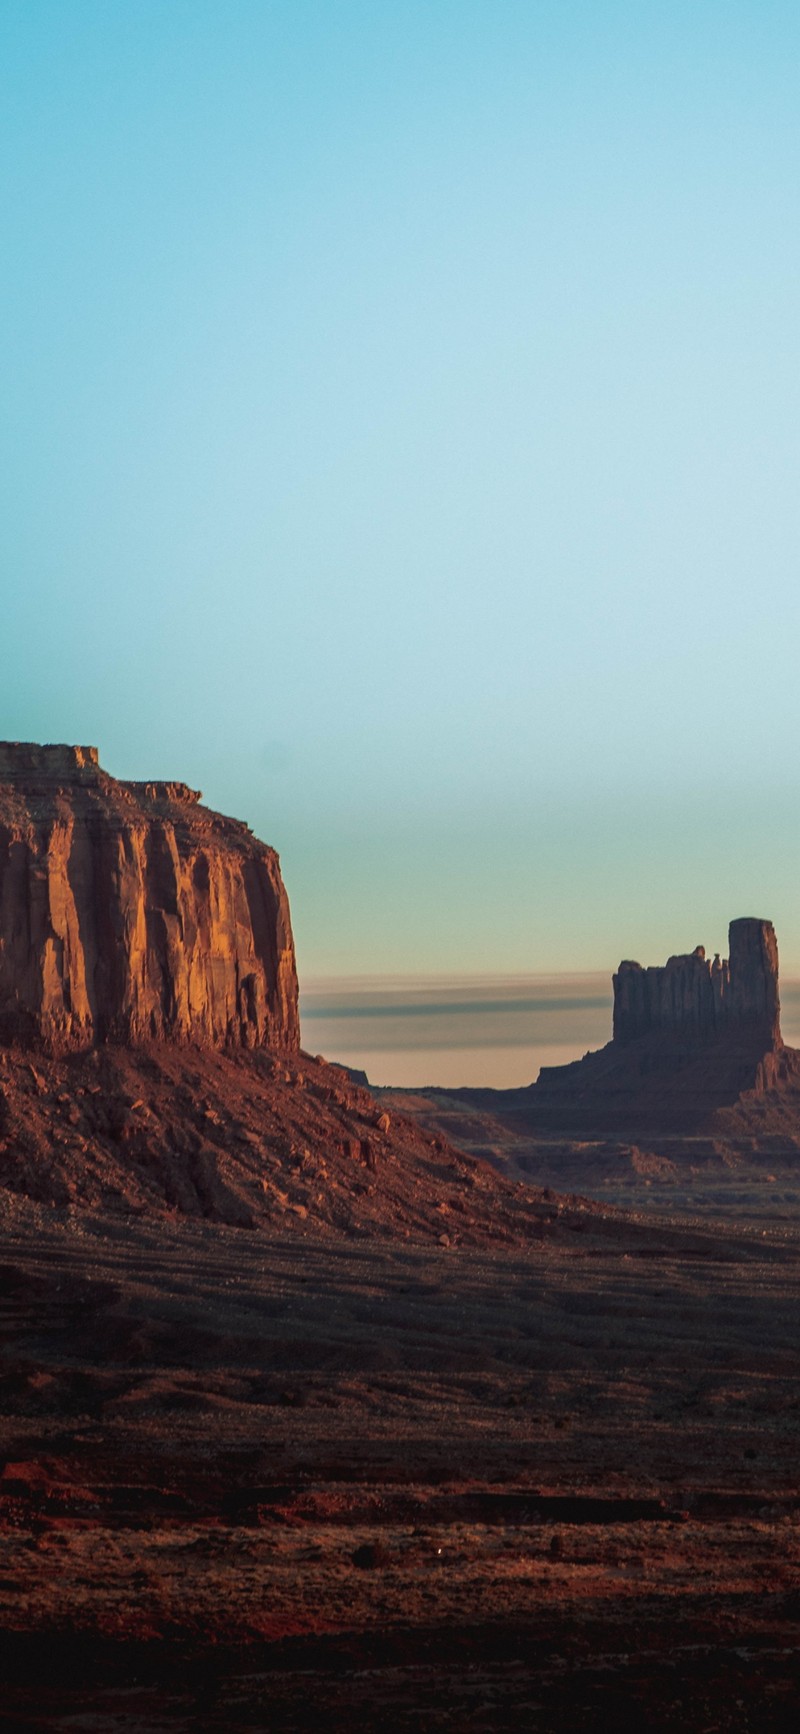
[129,912]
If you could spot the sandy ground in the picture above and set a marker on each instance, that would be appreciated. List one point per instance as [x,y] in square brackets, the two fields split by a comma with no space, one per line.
[259,1481]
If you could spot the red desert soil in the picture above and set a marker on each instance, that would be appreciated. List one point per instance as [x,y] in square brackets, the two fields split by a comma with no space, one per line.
[349,1468]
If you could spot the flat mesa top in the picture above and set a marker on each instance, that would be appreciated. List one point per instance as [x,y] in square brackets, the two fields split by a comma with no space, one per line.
[23,758]
[28,762]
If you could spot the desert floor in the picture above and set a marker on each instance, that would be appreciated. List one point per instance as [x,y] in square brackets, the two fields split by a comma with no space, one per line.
[277,1482]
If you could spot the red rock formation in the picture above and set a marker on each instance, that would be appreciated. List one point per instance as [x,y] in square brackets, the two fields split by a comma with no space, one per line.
[690,996]
[128,912]
[690,1038]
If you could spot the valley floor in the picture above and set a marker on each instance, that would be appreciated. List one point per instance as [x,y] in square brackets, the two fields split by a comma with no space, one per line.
[254,1481]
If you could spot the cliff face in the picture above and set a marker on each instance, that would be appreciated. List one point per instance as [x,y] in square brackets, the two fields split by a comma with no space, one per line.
[737,995]
[128,912]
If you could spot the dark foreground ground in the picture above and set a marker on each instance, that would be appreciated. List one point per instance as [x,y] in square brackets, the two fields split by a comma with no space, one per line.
[257,1481]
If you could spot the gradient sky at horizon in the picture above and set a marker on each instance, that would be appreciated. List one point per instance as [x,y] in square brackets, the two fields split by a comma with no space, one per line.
[485,1031]
[401,444]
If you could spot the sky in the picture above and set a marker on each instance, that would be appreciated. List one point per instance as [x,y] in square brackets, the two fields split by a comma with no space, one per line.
[483,1031]
[401,445]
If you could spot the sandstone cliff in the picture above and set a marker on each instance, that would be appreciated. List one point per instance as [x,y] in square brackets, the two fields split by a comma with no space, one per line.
[128,912]
[690,996]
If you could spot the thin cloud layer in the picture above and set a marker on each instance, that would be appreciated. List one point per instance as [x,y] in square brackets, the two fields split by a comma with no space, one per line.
[456,1030]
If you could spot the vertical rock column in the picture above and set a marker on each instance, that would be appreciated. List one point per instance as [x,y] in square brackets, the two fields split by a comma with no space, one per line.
[753,995]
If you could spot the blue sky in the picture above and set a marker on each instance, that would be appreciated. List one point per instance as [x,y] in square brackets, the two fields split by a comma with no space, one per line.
[401,443]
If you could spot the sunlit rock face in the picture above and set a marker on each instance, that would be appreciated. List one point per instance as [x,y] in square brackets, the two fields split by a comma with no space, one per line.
[691,996]
[128,912]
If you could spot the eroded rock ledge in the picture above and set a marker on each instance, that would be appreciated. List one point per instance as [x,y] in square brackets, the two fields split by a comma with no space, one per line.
[129,912]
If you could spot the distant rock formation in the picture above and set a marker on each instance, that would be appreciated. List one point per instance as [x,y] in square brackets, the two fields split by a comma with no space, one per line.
[690,996]
[128,912]
[689,1038]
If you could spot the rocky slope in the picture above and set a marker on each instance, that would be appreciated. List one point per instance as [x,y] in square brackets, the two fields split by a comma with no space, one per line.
[129,912]
[254,1140]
